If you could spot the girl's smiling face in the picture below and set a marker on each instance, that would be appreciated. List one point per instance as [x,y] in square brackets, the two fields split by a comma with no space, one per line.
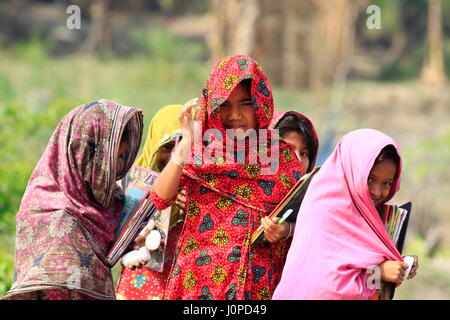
[237,111]
[380,180]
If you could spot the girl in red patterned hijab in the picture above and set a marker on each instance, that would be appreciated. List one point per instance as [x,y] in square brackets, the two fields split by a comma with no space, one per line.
[226,198]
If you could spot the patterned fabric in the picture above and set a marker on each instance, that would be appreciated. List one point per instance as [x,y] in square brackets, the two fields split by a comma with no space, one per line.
[146,284]
[70,210]
[51,294]
[214,258]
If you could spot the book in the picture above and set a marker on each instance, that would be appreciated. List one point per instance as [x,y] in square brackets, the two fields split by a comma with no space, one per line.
[396,220]
[292,201]
[138,173]
[137,212]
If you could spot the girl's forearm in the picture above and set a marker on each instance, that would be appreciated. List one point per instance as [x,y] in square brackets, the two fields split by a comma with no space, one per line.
[166,185]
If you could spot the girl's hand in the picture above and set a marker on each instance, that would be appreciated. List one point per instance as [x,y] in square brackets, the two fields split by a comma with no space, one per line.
[414,268]
[185,118]
[187,128]
[274,231]
[181,201]
[135,259]
[139,265]
[393,271]
[139,242]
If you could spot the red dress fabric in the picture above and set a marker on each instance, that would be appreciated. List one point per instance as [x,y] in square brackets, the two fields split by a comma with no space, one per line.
[225,202]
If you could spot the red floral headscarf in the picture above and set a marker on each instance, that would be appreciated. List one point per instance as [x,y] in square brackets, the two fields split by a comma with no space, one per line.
[243,182]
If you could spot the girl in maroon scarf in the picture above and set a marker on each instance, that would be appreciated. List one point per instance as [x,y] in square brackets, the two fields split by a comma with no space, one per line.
[71,206]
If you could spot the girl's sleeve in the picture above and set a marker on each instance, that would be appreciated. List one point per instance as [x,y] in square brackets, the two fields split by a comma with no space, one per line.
[161,203]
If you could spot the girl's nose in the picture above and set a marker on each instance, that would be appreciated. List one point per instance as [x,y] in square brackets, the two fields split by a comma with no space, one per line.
[375,191]
[235,113]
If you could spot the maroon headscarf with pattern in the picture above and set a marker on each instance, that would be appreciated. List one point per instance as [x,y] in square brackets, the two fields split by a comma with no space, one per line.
[71,206]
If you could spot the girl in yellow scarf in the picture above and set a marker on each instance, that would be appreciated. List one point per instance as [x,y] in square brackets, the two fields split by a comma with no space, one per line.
[143,283]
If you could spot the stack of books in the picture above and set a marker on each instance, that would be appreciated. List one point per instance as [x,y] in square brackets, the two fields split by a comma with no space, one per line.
[395,219]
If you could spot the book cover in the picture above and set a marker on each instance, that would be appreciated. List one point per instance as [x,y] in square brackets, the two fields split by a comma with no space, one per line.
[161,221]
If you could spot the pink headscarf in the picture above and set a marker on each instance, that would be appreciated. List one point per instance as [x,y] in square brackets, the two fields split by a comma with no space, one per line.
[339,233]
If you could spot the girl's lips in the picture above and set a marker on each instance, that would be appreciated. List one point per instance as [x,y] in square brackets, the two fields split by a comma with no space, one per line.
[236,127]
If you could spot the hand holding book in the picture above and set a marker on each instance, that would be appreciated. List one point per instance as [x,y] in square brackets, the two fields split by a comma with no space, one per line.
[289,206]
[273,230]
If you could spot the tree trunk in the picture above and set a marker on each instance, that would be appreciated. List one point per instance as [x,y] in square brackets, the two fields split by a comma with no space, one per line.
[99,36]
[433,71]
[298,43]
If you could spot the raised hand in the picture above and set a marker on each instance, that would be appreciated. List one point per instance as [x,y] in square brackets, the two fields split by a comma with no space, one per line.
[187,128]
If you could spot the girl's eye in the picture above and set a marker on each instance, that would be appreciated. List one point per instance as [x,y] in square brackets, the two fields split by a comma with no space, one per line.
[388,184]
[369,180]
[304,154]
[167,147]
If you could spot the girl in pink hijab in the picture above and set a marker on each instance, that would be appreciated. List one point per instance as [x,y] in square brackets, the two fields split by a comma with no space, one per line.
[71,206]
[339,235]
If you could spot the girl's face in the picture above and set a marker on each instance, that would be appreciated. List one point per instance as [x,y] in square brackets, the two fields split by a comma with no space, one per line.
[120,164]
[237,111]
[164,153]
[122,147]
[297,141]
[380,180]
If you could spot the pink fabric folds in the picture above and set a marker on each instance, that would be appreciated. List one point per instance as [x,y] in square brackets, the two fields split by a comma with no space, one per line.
[339,234]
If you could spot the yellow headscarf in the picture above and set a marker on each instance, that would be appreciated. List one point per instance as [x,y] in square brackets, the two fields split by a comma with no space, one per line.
[163,128]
